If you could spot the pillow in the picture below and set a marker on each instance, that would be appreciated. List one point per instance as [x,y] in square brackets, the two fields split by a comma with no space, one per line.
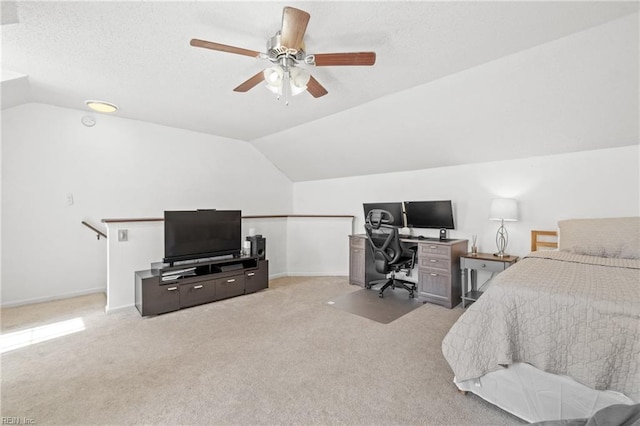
[610,237]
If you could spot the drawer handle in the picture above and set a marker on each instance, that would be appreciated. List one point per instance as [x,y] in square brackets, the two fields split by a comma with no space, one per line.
[250,274]
[432,260]
[172,288]
[484,265]
[197,287]
[231,281]
[433,247]
[433,275]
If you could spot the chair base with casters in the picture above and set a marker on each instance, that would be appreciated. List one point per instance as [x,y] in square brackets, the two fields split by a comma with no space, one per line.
[393,282]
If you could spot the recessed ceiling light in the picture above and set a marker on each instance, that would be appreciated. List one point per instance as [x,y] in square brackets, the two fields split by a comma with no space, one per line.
[101,106]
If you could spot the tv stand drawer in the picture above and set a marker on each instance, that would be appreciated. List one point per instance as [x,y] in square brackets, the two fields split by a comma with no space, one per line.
[229,286]
[154,296]
[158,298]
[197,293]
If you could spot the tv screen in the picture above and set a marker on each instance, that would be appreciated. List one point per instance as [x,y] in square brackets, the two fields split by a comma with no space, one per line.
[194,234]
[429,214]
[394,208]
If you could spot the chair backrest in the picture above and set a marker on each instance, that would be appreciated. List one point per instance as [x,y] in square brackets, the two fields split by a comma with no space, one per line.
[384,239]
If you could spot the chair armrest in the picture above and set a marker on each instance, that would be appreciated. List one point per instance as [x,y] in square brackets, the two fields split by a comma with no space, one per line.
[414,251]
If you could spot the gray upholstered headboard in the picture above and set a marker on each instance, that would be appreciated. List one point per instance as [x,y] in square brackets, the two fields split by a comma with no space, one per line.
[608,237]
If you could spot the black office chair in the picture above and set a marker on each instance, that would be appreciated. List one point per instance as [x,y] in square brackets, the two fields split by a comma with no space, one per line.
[389,254]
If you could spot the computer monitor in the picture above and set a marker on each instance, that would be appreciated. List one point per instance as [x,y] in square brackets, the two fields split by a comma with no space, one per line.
[429,214]
[394,208]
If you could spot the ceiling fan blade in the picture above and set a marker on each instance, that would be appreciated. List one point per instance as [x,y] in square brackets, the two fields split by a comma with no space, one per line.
[294,24]
[353,58]
[315,88]
[223,47]
[251,83]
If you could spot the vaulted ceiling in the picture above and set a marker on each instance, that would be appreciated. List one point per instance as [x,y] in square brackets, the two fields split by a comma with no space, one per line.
[454,82]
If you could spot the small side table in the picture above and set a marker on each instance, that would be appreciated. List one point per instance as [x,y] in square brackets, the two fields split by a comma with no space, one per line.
[480,262]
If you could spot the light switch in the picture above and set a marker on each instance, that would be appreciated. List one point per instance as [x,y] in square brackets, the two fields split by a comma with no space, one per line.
[123,235]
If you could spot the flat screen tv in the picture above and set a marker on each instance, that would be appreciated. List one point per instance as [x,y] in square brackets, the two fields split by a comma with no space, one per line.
[194,234]
[394,208]
[429,214]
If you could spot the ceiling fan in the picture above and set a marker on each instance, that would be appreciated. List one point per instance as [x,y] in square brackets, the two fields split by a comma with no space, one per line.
[286,52]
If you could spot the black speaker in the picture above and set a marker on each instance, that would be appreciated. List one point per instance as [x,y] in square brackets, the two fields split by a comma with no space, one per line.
[443,234]
[258,246]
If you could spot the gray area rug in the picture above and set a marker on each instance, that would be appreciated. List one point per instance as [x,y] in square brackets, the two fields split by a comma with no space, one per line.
[366,303]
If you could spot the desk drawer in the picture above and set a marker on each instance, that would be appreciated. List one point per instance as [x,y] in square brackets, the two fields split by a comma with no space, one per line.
[440,263]
[430,249]
[483,265]
[434,285]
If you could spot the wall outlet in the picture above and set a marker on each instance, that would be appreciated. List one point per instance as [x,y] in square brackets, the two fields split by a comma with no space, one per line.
[123,235]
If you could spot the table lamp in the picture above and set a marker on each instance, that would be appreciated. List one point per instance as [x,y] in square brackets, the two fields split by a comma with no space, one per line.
[503,209]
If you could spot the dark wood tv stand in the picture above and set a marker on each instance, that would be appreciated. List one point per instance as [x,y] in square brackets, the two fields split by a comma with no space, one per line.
[187,284]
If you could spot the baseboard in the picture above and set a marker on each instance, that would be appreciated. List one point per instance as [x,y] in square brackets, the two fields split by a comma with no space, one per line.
[109,311]
[52,298]
[280,275]
[316,274]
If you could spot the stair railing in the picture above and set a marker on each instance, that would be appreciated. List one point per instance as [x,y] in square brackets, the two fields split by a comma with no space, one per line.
[98,232]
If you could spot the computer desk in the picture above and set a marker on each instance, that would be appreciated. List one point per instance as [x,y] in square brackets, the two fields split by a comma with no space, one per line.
[437,267]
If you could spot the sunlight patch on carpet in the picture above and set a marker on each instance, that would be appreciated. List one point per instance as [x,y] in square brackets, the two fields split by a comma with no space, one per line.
[30,336]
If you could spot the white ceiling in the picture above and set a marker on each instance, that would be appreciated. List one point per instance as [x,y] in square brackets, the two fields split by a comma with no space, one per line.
[137,55]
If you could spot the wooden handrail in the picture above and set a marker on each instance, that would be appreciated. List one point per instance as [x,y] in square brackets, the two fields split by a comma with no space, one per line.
[159,219]
[299,215]
[148,219]
[97,231]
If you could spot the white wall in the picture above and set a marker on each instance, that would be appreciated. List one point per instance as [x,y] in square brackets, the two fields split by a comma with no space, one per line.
[127,169]
[117,169]
[276,233]
[144,245]
[578,93]
[316,246]
[598,183]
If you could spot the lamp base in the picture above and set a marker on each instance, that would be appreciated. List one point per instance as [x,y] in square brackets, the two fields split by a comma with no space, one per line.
[502,239]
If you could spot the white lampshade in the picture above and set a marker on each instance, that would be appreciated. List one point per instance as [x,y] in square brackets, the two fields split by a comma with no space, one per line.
[504,209]
[273,77]
[299,79]
[294,78]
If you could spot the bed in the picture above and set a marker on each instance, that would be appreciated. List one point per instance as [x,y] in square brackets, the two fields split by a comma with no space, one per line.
[557,335]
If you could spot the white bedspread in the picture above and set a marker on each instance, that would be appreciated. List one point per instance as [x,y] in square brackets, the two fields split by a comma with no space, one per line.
[563,313]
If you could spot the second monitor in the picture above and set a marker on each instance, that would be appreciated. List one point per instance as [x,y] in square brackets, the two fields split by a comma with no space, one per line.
[429,214]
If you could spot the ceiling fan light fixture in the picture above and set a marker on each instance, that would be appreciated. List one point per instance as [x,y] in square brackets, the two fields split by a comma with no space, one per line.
[299,79]
[274,76]
[297,90]
[275,89]
[101,106]
[285,51]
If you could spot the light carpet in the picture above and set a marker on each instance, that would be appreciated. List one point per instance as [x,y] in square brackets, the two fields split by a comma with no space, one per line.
[280,356]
